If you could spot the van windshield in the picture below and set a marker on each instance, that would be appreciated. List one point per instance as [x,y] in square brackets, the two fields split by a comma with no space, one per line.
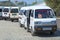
[44,13]
[5,10]
[14,10]
[0,10]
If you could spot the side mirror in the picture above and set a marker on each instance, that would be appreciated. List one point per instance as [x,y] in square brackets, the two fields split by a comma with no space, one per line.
[55,13]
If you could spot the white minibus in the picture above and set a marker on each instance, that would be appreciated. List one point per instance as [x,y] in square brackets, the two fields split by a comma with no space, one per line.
[6,13]
[40,19]
[22,16]
[14,13]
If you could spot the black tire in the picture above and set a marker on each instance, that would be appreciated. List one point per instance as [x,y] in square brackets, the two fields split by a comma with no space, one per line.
[12,20]
[17,20]
[5,19]
[21,25]
[28,30]
[32,32]
[25,28]
[51,33]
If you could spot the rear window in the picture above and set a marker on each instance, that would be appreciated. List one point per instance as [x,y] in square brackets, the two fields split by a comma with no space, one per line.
[5,10]
[14,10]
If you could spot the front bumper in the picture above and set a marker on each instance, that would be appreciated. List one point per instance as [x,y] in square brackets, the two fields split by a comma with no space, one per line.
[14,18]
[40,28]
[6,17]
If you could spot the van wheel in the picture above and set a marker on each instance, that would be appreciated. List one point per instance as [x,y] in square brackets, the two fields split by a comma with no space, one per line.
[5,18]
[28,30]
[17,20]
[21,25]
[25,28]
[12,20]
[32,32]
[51,33]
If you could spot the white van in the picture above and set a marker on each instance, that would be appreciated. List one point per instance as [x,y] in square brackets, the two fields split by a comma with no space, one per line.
[14,13]
[22,16]
[6,13]
[40,19]
[1,8]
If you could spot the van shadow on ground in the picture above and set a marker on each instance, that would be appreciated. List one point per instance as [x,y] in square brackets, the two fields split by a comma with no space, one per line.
[56,34]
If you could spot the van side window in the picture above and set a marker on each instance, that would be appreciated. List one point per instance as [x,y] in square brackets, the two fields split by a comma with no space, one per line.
[32,11]
[27,12]
[21,11]
[24,12]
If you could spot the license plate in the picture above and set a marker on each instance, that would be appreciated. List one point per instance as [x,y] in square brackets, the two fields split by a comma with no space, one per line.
[13,14]
[5,13]
[47,28]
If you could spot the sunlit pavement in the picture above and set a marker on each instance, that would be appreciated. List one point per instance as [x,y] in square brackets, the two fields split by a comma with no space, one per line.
[11,31]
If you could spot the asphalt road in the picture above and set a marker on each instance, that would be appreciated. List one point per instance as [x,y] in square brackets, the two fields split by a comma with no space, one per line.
[11,31]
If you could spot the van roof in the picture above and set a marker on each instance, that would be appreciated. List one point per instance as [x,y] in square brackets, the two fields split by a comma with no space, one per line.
[35,7]
[14,7]
[6,7]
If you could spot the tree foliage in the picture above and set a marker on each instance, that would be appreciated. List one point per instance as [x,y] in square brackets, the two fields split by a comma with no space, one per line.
[55,4]
[22,3]
[7,3]
[34,3]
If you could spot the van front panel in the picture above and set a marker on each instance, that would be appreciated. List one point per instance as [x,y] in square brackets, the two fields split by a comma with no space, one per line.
[14,13]
[44,20]
[6,12]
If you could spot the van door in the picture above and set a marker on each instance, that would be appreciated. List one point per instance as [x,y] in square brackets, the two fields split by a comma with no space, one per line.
[28,19]
[20,15]
[0,12]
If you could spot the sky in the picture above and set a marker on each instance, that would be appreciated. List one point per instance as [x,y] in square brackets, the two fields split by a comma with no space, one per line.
[28,1]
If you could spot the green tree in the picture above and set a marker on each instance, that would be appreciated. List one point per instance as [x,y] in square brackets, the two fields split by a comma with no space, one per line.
[20,3]
[55,4]
[9,0]
[34,3]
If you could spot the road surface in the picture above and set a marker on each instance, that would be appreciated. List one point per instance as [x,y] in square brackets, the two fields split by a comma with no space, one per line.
[11,31]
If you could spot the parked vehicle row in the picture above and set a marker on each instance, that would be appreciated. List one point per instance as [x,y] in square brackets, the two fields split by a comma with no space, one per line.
[34,19]
[9,13]
[38,19]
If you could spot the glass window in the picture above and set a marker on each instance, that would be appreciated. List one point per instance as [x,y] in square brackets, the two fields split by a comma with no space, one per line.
[27,13]
[24,12]
[32,11]
[21,11]
[14,10]
[0,10]
[5,10]
[44,13]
